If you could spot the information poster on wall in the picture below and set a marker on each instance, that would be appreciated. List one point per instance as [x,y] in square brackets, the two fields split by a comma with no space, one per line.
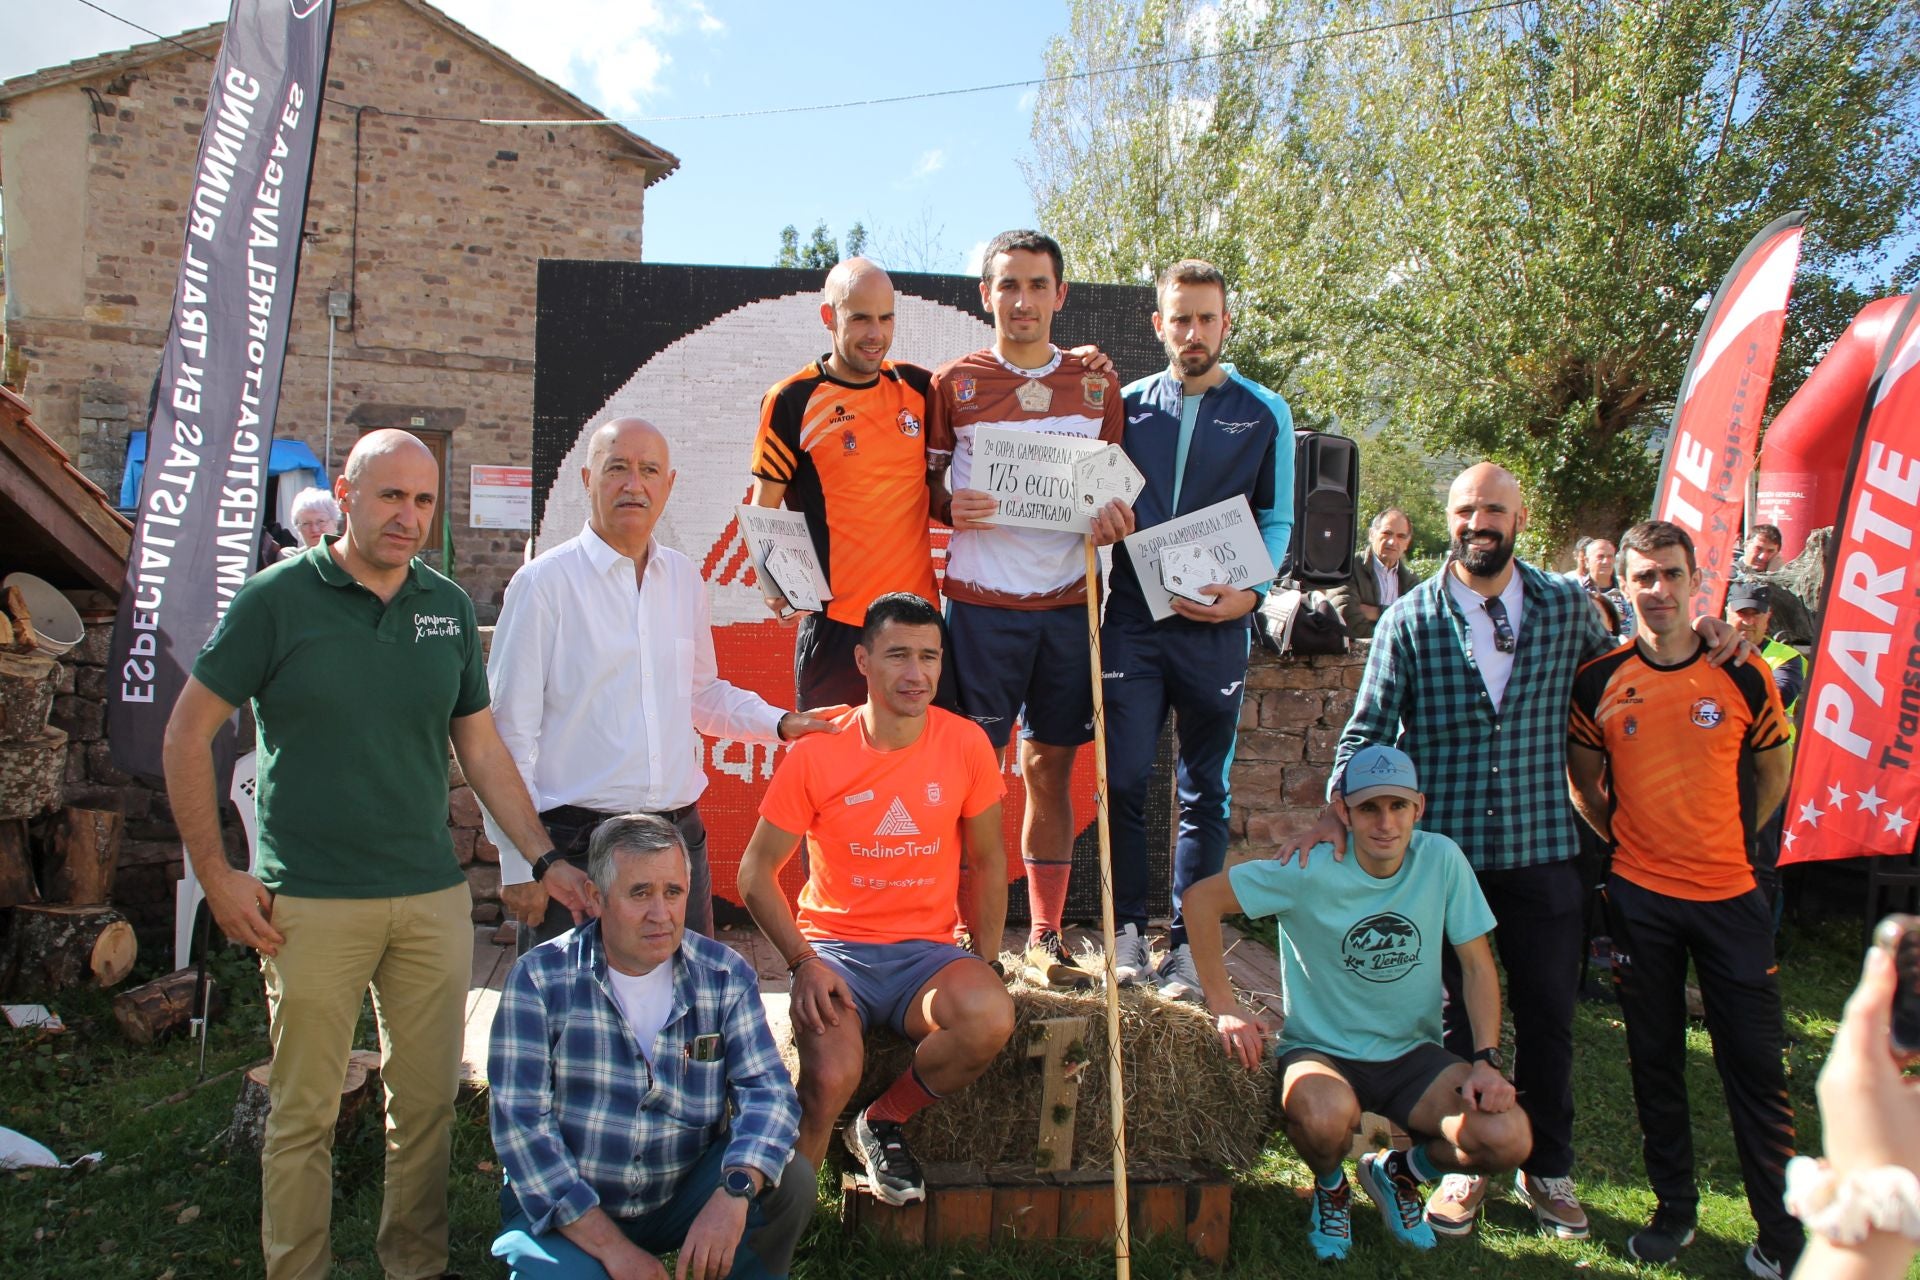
[1226,531]
[500,497]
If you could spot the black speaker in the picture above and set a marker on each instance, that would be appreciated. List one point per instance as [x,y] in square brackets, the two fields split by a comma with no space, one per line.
[1326,494]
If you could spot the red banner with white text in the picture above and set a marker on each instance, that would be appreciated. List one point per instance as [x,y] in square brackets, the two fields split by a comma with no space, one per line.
[1703,481]
[1856,777]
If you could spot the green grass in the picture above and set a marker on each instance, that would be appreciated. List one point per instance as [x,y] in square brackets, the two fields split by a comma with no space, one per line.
[88,1090]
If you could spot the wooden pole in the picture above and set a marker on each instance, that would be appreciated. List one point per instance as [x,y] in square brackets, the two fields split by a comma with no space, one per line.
[1116,1081]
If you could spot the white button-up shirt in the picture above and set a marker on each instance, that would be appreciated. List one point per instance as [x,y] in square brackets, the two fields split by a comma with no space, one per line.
[599,683]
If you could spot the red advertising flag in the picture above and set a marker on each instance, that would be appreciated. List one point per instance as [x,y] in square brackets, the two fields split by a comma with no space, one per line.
[1703,481]
[1856,776]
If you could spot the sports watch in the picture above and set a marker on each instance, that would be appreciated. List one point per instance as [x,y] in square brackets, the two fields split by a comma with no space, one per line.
[1491,1057]
[738,1183]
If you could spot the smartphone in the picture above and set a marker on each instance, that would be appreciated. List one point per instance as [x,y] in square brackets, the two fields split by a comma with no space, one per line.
[1899,937]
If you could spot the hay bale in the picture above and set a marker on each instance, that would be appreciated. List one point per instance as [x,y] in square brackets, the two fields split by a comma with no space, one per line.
[1186,1102]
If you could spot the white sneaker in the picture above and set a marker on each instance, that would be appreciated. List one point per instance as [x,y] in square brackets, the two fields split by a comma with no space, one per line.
[1132,962]
[1178,979]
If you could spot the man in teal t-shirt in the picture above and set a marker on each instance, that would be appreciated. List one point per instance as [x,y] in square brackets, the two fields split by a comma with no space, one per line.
[360,664]
[1360,943]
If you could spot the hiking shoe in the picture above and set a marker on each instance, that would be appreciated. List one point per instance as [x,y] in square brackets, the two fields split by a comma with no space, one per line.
[1769,1267]
[1553,1203]
[1049,963]
[1132,962]
[1330,1221]
[881,1149]
[1178,979]
[1454,1206]
[1392,1186]
[1662,1239]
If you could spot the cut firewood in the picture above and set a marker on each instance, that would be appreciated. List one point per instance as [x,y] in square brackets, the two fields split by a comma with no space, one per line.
[82,855]
[154,1010]
[23,633]
[55,948]
[26,694]
[16,866]
[359,1089]
[30,773]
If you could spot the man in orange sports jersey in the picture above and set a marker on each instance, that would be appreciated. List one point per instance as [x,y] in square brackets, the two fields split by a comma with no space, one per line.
[888,813]
[1694,757]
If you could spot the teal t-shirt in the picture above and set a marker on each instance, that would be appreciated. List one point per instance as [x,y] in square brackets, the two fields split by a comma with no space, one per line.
[353,700]
[1189,415]
[1359,956]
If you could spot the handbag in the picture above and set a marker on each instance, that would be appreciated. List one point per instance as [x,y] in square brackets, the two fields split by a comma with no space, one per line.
[1294,621]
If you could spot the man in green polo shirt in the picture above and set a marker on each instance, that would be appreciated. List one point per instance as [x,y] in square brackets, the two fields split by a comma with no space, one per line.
[360,664]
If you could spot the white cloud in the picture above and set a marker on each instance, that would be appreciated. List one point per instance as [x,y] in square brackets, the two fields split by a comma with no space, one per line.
[610,52]
[931,162]
[976,257]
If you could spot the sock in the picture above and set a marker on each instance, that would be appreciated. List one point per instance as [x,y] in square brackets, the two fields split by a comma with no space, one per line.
[1330,1181]
[1047,893]
[1421,1165]
[904,1099]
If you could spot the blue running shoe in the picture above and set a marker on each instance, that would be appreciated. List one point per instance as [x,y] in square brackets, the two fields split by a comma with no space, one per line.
[1330,1218]
[1393,1187]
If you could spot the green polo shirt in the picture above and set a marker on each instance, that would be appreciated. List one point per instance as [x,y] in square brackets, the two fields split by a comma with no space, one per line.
[353,699]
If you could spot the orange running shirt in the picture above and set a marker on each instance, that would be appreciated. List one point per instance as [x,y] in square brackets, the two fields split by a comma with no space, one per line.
[1679,743]
[1008,567]
[854,460]
[883,827]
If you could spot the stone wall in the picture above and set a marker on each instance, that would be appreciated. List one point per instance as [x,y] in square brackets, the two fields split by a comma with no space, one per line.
[1289,726]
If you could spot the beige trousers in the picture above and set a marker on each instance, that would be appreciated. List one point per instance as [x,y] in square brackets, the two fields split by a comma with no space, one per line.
[417,954]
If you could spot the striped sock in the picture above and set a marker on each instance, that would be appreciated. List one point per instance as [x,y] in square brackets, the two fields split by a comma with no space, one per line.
[904,1099]
[1047,893]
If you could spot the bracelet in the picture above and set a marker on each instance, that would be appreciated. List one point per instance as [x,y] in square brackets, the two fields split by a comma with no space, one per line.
[1843,1208]
[793,965]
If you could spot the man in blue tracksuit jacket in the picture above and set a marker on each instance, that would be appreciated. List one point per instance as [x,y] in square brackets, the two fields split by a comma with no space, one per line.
[1200,433]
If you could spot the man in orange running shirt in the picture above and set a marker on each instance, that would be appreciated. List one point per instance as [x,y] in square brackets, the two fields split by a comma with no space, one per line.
[888,806]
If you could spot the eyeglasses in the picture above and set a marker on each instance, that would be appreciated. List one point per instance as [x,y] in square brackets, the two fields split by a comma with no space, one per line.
[1502,626]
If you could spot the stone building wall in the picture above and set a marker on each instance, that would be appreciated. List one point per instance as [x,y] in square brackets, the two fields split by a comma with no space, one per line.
[1289,726]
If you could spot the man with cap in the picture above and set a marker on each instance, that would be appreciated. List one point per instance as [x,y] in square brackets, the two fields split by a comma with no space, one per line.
[1750,608]
[1360,945]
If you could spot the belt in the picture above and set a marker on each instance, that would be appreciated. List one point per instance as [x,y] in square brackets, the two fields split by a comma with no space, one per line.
[573,815]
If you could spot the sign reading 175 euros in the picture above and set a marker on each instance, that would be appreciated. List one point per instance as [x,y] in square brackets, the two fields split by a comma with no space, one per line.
[1044,481]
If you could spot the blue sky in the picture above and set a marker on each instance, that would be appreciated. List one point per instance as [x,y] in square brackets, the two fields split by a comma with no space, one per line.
[931,180]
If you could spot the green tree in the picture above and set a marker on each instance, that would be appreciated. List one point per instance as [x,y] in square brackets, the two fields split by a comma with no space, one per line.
[820,251]
[1395,473]
[1495,229]
[789,255]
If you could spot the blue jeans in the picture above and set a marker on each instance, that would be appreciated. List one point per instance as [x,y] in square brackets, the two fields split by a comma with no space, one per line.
[775,1222]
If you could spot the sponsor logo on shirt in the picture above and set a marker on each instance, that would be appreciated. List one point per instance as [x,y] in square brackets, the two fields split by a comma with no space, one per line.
[896,821]
[1234,428]
[1707,713]
[1138,418]
[860,797]
[1381,948]
[909,425]
[933,793]
[910,849]
[434,624]
[840,415]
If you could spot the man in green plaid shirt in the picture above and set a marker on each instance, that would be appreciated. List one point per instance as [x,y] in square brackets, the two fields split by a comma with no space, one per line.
[1471,674]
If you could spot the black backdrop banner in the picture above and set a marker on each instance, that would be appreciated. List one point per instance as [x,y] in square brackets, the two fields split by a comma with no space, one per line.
[211,420]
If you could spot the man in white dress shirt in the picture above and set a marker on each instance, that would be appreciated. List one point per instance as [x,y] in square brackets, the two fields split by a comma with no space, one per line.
[602,670]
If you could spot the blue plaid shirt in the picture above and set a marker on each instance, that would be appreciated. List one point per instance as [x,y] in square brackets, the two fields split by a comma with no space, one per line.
[1495,781]
[580,1119]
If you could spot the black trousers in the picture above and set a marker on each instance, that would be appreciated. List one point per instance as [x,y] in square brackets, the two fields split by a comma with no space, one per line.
[1539,910]
[1731,944]
[571,830]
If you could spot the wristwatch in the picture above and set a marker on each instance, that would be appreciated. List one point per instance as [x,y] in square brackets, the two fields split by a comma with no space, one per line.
[738,1183]
[545,864]
[1491,1057]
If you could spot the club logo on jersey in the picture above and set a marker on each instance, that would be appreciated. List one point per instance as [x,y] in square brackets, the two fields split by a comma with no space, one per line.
[849,443]
[1382,948]
[1093,390]
[933,793]
[1034,396]
[909,425]
[1631,727]
[963,389]
[1707,713]
[897,821]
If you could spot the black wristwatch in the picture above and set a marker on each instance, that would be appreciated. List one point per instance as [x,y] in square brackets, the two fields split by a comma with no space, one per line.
[545,864]
[738,1183]
[1491,1057]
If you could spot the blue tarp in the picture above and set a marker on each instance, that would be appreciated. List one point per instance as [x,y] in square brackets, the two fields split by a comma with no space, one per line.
[286,455]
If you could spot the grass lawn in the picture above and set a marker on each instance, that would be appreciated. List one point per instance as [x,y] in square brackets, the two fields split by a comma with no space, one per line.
[169,1201]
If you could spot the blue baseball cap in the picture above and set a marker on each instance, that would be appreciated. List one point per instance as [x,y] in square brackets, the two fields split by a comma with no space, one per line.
[1378,770]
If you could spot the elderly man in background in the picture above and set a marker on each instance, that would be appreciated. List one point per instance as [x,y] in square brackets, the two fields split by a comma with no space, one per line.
[603,676]
[1380,577]
[1594,569]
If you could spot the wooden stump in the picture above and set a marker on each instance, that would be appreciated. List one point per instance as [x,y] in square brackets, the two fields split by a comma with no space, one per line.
[26,694]
[16,866]
[82,855]
[155,1010]
[358,1088]
[1061,1047]
[55,948]
[30,773]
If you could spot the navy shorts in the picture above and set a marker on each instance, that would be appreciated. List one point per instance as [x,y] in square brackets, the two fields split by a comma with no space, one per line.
[885,976]
[1392,1088]
[1030,663]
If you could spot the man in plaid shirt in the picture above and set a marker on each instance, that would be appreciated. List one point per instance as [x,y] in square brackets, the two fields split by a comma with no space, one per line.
[639,1104]
[1471,674]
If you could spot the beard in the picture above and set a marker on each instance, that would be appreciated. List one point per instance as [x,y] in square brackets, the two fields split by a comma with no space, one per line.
[1483,562]
[1192,364]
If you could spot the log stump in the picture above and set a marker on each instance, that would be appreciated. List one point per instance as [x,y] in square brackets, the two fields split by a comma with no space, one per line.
[359,1089]
[56,948]
[26,694]
[82,855]
[155,1010]
[16,865]
[30,773]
